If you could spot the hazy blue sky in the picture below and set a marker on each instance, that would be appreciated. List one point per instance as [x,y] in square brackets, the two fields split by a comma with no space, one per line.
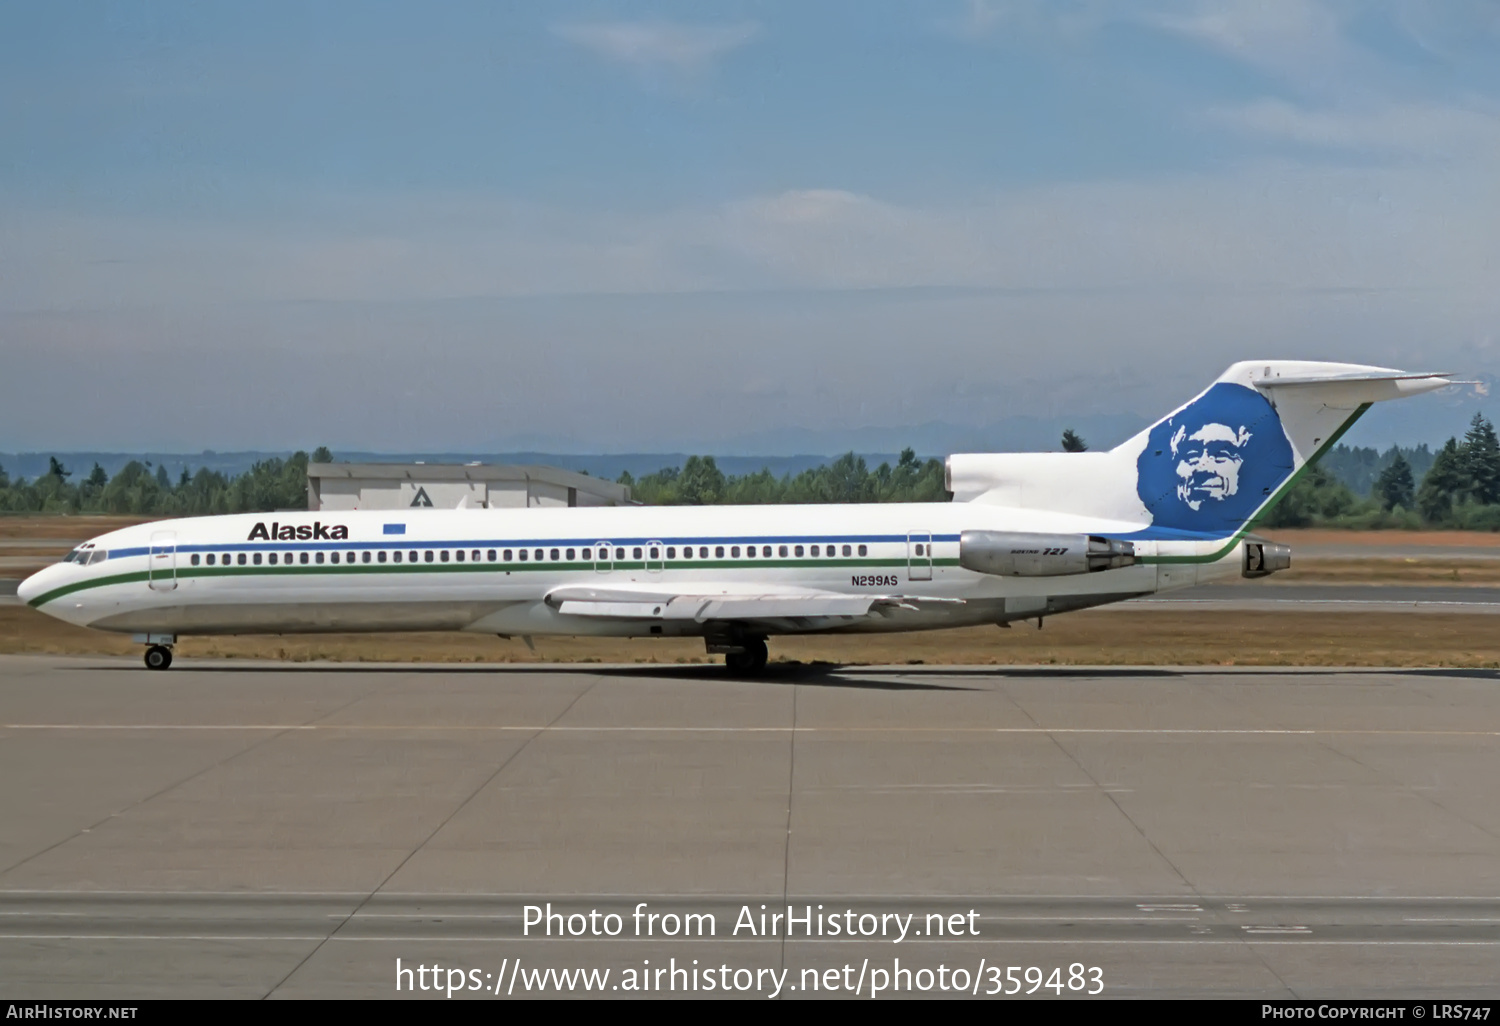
[618,226]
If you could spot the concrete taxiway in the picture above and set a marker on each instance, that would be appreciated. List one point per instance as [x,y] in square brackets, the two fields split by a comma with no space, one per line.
[253,829]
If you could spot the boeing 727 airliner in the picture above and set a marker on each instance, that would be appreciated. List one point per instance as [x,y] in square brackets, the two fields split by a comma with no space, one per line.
[1027,535]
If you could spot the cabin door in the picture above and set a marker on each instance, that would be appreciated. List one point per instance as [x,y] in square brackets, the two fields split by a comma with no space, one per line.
[603,561]
[656,559]
[161,561]
[919,556]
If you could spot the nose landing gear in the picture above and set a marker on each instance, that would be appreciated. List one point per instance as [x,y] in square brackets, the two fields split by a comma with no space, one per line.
[158,657]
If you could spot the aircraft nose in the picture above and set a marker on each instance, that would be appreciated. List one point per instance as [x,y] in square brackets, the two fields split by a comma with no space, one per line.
[32,586]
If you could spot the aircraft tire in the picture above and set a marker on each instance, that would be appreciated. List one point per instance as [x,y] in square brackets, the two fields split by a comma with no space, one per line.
[756,655]
[749,662]
[158,657]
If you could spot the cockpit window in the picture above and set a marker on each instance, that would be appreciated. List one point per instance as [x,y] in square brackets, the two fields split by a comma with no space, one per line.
[76,556]
[98,556]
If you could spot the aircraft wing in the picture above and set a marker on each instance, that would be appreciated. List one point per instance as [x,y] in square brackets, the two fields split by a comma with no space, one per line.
[704,606]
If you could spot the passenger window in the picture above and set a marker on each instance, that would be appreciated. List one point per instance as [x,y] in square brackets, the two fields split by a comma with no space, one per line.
[538,554]
[491,555]
[703,552]
[287,559]
[317,557]
[396,556]
[797,551]
[427,556]
[734,551]
[919,548]
[588,554]
[364,557]
[782,551]
[210,559]
[719,551]
[380,556]
[348,557]
[846,550]
[556,555]
[637,553]
[302,559]
[863,551]
[765,550]
[571,554]
[507,555]
[672,552]
[333,557]
[474,556]
[241,560]
[655,552]
[271,559]
[195,560]
[523,554]
[459,555]
[814,550]
[443,556]
[411,557]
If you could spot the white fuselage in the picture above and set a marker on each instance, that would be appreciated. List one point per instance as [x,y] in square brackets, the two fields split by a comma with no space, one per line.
[493,571]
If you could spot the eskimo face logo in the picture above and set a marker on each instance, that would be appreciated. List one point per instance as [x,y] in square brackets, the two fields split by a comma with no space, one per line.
[1213,463]
[1208,463]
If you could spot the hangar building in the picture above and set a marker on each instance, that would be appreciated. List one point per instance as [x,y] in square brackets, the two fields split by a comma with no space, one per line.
[444,486]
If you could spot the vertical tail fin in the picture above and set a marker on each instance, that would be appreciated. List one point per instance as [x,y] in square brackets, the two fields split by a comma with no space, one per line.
[1217,461]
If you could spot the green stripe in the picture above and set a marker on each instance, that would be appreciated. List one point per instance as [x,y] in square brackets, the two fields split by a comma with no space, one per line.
[451,568]
[1265,508]
[68,589]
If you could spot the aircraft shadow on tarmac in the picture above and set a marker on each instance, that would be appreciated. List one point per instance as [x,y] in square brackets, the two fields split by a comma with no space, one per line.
[830,675]
[834,675]
[1472,673]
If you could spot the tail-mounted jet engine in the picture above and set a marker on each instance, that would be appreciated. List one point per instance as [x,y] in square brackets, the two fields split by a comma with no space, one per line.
[1017,554]
[1263,558]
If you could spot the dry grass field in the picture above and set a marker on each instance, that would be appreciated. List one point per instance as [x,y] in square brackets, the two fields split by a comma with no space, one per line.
[1120,637]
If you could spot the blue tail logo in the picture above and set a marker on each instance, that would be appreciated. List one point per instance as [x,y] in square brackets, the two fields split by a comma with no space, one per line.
[1212,464]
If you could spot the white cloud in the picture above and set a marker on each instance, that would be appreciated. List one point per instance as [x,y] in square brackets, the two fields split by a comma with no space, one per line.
[1424,130]
[1109,296]
[650,45]
[1419,225]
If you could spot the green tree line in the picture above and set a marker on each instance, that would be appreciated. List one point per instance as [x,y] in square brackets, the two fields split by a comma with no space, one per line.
[700,482]
[1458,486]
[139,490]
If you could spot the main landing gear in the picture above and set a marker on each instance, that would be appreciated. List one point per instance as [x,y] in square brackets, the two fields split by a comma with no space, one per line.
[158,657]
[751,657]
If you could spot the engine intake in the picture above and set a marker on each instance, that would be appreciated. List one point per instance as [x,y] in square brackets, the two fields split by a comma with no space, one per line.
[1018,554]
[1263,558]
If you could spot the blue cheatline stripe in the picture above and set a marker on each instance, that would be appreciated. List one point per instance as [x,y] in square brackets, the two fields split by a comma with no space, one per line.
[531,543]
